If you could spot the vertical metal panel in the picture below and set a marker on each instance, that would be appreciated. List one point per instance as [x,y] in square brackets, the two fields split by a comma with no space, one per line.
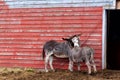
[23,31]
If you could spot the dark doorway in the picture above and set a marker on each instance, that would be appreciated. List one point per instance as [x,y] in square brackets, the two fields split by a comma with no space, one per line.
[113,39]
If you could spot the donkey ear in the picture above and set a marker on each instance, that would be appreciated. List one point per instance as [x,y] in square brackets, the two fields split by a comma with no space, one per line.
[65,39]
[79,34]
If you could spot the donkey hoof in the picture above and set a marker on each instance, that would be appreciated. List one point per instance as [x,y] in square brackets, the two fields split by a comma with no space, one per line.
[95,71]
[53,70]
[70,70]
[89,73]
[79,70]
[46,70]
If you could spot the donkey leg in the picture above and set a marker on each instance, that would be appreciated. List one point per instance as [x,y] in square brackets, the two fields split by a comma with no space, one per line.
[50,63]
[89,67]
[70,66]
[94,66]
[47,59]
[78,66]
[46,63]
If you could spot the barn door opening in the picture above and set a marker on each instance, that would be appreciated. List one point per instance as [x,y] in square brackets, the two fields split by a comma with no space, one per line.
[113,39]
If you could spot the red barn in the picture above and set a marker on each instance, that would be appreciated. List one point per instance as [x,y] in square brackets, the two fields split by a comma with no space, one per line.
[25,25]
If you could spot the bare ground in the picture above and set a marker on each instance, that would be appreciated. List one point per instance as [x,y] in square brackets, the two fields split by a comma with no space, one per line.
[35,74]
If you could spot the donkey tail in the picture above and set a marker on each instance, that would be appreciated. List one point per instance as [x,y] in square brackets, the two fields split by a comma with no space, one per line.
[43,54]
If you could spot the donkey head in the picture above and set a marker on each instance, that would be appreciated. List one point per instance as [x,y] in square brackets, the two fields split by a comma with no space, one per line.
[73,41]
[69,41]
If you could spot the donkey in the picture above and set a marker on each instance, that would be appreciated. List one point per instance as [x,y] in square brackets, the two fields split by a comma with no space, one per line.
[58,49]
[81,54]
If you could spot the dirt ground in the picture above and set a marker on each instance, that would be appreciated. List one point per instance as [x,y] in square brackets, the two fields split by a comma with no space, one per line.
[35,74]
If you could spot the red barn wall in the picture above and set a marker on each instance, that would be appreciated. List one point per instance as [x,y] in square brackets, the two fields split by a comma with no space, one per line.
[23,32]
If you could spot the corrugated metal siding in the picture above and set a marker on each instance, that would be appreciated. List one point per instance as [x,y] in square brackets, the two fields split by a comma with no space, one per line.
[23,31]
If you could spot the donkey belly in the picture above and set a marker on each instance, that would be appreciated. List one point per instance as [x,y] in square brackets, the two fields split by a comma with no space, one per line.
[77,59]
[60,54]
